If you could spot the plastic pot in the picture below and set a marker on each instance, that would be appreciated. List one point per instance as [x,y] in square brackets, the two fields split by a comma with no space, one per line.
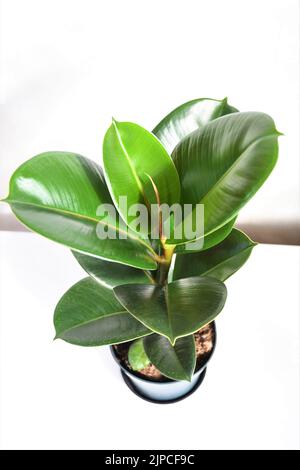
[166,390]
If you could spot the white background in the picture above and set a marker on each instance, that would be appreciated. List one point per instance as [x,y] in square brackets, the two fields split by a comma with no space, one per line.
[55,395]
[67,67]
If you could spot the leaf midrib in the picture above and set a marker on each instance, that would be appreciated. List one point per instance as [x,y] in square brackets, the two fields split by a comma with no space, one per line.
[131,166]
[183,371]
[273,134]
[102,317]
[80,216]
[166,296]
[236,162]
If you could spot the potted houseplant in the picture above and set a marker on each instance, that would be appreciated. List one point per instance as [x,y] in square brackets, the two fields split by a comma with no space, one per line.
[155,234]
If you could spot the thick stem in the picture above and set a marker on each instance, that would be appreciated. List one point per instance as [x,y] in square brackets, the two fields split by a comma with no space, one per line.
[163,273]
[163,270]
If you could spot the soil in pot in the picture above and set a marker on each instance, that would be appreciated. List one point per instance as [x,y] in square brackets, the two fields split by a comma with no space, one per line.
[204,341]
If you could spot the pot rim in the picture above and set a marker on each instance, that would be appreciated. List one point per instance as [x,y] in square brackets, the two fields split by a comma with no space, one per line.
[129,382]
[166,379]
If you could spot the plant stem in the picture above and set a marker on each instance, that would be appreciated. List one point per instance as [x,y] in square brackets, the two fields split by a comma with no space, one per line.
[163,270]
[166,251]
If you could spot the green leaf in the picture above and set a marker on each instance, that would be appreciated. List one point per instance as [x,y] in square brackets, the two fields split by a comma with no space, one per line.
[137,356]
[130,155]
[57,194]
[219,262]
[187,118]
[111,274]
[176,362]
[210,240]
[224,164]
[89,315]
[176,309]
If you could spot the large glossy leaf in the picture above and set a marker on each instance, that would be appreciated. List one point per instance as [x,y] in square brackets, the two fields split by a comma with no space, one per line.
[210,240]
[224,164]
[187,118]
[176,309]
[111,274]
[176,362]
[90,315]
[219,262]
[57,194]
[130,155]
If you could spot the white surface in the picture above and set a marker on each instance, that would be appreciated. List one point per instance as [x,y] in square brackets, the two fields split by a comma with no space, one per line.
[67,66]
[58,396]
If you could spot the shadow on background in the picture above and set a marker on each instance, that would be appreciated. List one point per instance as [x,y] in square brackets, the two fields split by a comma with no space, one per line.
[279,233]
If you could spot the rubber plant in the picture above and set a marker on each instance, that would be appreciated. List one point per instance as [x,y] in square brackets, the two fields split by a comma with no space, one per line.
[155,292]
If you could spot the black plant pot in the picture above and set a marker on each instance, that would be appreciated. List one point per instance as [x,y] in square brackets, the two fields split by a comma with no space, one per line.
[166,390]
